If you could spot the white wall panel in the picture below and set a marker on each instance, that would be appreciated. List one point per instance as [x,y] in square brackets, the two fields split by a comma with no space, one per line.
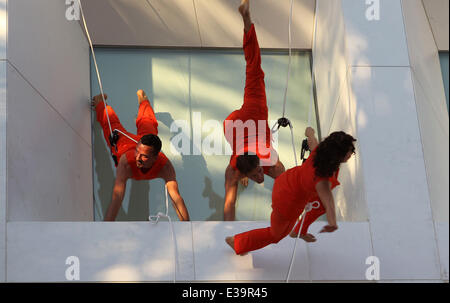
[141,251]
[341,255]
[126,252]
[394,173]
[350,195]
[52,54]
[334,107]
[375,43]
[196,23]
[431,105]
[270,17]
[49,165]
[216,261]
[437,12]
[142,23]
[330,62]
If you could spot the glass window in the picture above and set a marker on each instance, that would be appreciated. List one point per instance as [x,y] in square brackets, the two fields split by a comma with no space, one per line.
[199,88]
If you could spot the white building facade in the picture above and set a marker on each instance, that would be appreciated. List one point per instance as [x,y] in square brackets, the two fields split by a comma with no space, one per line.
[377,74]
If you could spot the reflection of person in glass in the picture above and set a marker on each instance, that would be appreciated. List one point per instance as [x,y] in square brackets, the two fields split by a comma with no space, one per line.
[294,189]
[253,154]
[140,161]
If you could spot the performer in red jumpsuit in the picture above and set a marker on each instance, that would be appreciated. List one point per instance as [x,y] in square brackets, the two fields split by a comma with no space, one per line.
[247,129]
[312,181]
[140,161]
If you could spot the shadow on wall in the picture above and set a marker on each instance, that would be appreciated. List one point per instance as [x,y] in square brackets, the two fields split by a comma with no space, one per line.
[196,164]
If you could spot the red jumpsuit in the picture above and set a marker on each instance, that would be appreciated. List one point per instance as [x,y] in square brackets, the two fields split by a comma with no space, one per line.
[254,109]
[291,192]
[146,123]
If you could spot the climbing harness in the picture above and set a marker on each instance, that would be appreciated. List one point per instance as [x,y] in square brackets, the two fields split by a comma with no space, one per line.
[113,139]
[305,148]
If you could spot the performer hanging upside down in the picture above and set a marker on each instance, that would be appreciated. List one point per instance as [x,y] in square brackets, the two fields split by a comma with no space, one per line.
[140,161]
[247,129]
[312,181]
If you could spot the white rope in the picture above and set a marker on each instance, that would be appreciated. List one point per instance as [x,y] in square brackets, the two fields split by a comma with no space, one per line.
[95,64]
[315,204]
[155,220]
[310,206]
[313,77]
[293,144]
[289,63]
[126,135]
[287,86]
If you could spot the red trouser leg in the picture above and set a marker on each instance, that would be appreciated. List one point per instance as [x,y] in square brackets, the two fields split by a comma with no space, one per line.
[102,118]
[146,122]
[259,238]
[255,103]
[124,143]
[310,217]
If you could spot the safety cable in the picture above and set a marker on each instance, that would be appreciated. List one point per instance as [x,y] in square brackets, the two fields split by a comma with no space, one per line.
[311,205]
[95,63]
[155,220]
[289,63]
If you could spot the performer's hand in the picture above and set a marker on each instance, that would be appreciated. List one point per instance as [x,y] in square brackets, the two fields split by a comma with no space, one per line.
[329,228]
[309,132]
[309,238]
[97,99]
[244,181]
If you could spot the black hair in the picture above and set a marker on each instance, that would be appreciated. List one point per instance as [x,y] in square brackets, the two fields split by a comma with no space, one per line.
[331,152]
[247,162]
[152,141]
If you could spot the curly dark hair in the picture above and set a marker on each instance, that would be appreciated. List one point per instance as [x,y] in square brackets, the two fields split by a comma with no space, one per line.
[331,152]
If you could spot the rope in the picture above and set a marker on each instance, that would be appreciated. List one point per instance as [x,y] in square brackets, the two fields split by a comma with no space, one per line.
[289,63]
[126,135]
[315,204]
[310,206]
[284,122]
[313,77]
[155,220]
[95,63]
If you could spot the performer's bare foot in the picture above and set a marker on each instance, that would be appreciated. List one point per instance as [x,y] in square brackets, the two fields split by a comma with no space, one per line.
[307,237]
[141,96]
[97,99]
[244,9]
[244,181]
[230,241]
